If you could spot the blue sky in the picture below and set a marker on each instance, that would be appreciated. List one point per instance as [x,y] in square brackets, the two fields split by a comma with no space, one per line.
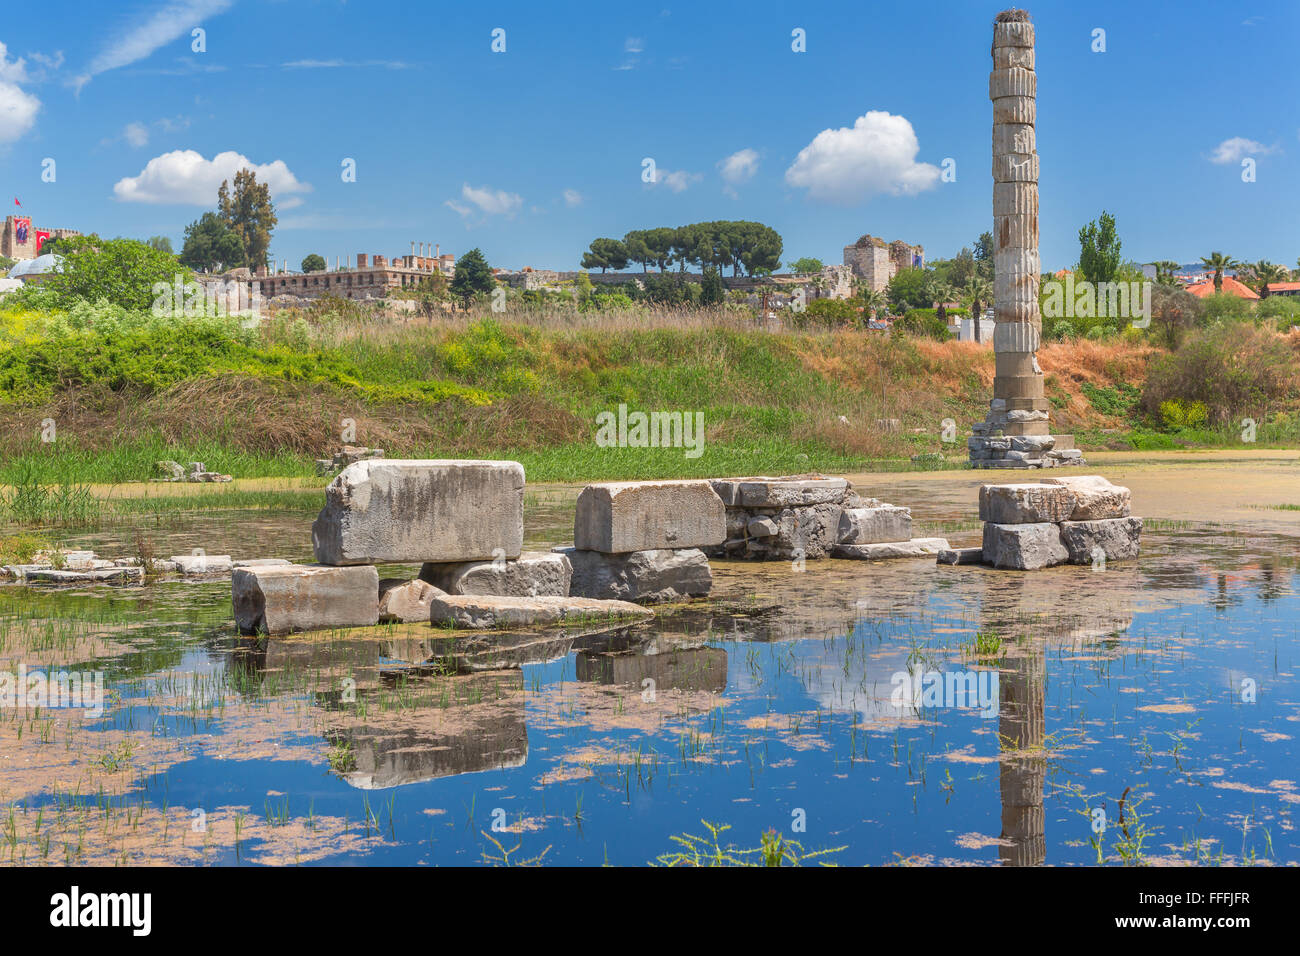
[531,153]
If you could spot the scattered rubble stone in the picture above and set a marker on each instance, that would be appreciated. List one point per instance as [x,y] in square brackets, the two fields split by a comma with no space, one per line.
[532,574]
[406,602]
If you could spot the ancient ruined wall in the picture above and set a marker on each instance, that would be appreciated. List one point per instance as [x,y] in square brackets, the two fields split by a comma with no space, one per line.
[875,262]
[371,283]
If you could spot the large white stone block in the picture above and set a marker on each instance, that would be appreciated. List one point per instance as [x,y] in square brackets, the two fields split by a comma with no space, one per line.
[644,576]
[383,510]
[1095,498]
[304,597]
[1024,547]
[1115,539]
[1027,503]
[874,525]
[619,517]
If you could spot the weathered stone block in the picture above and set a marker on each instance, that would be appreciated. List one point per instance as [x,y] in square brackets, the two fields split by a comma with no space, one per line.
[407,602]
[490,611]
[788,492]
[1095,498]
[279,600]
[643,576]
[960,556]
[389,510]
[1028,503]
[1024,547]
[192,565]
[915,548]
[621,517]
[1035,444]
[1118,539]
[533,573]
[874,525]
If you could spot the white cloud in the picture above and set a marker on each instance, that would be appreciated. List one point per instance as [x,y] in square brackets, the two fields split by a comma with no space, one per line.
[486,201]
[876,156]
[633,45]
[140,40]
[738,168]
[18,108]
[137,134]
[1235,149]
[17,112]
[11,71]
[49,62]
[572,197]
[184,176]
[675,179]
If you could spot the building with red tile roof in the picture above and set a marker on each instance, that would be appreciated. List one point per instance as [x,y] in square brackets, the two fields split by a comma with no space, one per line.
[1230,286]
[1284,288]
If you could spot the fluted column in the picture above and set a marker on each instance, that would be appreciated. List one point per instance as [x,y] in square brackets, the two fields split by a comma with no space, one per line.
[1016,431]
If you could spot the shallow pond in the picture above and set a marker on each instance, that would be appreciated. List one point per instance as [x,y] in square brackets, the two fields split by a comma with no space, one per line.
[1148,711]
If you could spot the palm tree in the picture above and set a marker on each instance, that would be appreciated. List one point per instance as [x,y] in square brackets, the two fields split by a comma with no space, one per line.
[979,292]
[1219,262]
[1165,270]
[1267,272]
[873,301]
[942,292]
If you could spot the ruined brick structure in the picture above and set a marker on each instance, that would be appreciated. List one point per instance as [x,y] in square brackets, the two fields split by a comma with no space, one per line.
[876,262]
[373,277]
[14,245]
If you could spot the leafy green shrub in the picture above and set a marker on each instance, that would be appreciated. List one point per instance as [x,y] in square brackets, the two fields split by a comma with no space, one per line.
[669,288]
[21,548]
[1225,307]
[1119,399]
[120,271]
[830,312]
[924,323]
[1177,414]
[1235,370]
[1281,310]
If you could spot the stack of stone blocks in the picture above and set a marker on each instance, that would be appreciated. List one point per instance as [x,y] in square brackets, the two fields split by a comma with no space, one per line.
[641,540]
[462,521]
[811,516]
[1077,520]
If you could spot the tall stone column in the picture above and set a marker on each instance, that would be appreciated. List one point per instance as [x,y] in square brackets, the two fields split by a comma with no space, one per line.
[1016,432]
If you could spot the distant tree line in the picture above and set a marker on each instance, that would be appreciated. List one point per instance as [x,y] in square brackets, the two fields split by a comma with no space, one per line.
[749,246]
